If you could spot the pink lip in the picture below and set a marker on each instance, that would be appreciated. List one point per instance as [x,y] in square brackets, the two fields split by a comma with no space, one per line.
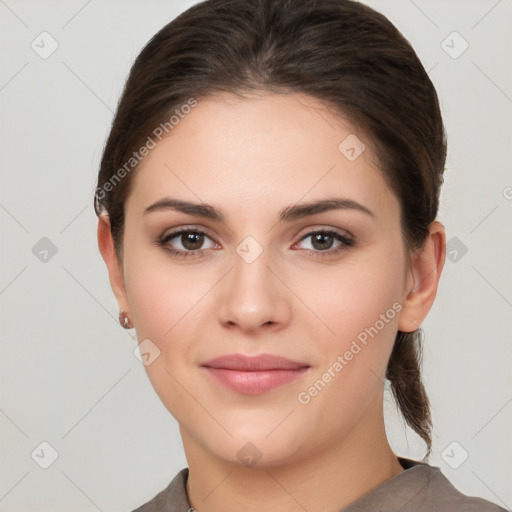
[254,374]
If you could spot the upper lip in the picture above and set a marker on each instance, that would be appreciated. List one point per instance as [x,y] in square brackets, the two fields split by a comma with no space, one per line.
[261,362]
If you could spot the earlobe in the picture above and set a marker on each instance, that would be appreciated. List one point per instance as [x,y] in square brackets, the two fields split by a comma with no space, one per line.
[425,270]
[106,247]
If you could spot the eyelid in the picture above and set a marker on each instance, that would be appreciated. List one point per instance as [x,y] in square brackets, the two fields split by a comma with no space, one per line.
[326,229]
[193,228]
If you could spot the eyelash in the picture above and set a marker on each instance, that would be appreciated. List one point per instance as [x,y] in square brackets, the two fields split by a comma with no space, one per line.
[345,240]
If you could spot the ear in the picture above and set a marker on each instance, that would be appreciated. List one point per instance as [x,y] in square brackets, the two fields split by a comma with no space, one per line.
[106,246]
[424,273]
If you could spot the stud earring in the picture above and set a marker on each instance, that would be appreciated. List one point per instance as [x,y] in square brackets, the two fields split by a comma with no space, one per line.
[124,320]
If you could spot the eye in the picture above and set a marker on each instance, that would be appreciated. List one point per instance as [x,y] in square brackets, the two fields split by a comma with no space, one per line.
[189,242]
[322,241]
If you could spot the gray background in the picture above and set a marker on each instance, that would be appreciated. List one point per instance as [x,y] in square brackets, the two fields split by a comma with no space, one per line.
[68,375]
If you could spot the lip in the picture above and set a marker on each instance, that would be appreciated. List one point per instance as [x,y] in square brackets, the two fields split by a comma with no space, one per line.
[254,374]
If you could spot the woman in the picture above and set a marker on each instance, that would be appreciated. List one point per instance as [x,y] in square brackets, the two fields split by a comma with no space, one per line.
[267,205]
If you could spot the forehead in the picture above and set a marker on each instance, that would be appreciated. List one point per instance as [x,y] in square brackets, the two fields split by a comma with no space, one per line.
[261,152]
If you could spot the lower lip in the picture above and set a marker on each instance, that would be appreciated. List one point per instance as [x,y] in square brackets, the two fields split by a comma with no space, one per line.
[255,382]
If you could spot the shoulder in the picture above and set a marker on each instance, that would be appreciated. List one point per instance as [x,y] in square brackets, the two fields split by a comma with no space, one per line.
[438,493]
[172,498]
[420,488]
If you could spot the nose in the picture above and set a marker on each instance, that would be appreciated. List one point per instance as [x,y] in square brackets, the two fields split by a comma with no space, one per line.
[253,296]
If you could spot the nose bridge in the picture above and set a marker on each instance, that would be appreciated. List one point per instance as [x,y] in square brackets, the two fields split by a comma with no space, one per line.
[251,273]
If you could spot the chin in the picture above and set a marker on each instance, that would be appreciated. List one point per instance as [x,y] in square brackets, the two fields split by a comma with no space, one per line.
[260,446]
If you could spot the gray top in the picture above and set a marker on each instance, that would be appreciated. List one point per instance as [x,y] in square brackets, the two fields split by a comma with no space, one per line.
[419,488]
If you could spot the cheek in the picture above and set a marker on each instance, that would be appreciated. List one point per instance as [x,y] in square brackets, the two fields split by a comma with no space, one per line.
[163,296]
[352,363]
[168,303]
[353,297]
[359,305]
[164,304]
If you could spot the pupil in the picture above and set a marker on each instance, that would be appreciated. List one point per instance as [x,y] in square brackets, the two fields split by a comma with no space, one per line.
[194,239]
[318,238]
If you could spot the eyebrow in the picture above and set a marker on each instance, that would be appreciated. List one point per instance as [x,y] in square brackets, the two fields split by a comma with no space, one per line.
[288,214]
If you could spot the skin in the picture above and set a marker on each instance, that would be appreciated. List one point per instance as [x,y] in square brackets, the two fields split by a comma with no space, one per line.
[250,158]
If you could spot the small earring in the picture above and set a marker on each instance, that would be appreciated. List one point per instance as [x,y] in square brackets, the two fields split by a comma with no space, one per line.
[124,320]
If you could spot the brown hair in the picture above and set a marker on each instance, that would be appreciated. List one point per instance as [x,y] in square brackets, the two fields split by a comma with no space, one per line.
[339,51]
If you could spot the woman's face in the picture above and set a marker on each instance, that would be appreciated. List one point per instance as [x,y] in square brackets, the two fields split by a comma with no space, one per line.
[259,282]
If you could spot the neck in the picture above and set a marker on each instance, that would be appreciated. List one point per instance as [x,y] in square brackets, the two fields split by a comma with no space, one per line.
[327,480]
